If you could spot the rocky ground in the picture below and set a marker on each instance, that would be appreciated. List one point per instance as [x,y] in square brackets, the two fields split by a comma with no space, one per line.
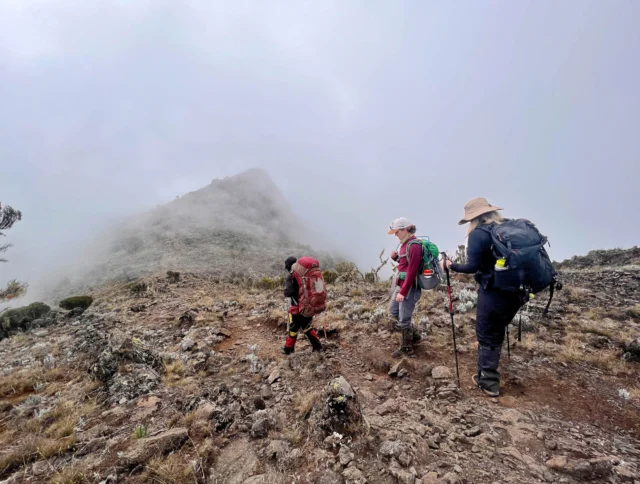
[184,382]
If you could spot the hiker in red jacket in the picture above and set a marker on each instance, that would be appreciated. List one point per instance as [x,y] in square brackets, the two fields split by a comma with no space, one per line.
[298,322]
[406,292]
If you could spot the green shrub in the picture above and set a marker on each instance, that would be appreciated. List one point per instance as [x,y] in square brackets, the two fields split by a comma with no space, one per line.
[21,318]
[329,276]
[370,277]
[76,302]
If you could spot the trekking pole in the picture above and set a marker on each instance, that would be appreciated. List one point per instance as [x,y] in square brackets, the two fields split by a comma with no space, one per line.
[520,327]
[508,344]
[453,328]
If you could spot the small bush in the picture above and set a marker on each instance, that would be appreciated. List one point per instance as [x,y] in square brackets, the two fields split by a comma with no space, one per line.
[138,288]
[329,276]
[347,271]
[76,302]
[269,283]
[370,277]
[173,277]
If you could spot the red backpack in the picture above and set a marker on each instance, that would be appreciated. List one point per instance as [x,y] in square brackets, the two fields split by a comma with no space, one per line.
[312,296]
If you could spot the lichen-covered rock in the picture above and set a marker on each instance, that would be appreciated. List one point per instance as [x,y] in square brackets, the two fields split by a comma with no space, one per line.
[76,302]
[338,410]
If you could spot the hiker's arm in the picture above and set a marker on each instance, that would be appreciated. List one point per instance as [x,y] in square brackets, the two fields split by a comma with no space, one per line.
[479,241]
[290,287]
[415,259]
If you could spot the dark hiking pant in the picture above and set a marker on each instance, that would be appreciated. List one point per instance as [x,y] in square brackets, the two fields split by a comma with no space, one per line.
[496,309]
[302,323]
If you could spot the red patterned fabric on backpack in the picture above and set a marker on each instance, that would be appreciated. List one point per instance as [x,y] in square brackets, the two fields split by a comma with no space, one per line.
[312,289]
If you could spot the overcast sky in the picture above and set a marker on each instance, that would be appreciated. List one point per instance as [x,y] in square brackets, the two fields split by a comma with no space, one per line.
[361,111]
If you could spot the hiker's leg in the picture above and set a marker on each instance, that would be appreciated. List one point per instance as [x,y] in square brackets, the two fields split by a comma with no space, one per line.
[495,310]
[311,335]
[296,322]
[394,310]
[407,307]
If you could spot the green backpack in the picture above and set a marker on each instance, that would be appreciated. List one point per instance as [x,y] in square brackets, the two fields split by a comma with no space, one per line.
[430,263]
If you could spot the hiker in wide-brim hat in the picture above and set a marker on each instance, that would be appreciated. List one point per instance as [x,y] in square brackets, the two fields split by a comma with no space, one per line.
[475,208]
[496,308]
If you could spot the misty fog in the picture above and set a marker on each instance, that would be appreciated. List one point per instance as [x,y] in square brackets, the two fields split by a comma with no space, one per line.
[361,112]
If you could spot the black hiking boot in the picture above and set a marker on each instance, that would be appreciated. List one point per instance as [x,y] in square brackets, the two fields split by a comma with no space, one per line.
[491,391]
[406,347]
[286,350]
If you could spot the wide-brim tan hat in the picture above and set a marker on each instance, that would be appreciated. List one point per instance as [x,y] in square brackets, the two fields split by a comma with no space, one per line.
[476,207]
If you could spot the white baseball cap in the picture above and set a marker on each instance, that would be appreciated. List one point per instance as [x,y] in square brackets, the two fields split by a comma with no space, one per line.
[399,224]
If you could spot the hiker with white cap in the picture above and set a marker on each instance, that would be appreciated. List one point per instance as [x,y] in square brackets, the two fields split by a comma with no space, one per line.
[406,292]
[496,307]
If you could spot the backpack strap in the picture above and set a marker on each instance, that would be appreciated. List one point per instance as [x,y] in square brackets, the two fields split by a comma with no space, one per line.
[551,290]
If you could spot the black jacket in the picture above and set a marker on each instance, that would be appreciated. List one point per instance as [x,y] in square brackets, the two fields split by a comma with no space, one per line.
[480,258]
[291,289]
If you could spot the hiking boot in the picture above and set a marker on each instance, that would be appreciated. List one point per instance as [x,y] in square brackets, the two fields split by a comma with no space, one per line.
[416,337]
[492,391]
[406,348]
[286,350]
[393,326]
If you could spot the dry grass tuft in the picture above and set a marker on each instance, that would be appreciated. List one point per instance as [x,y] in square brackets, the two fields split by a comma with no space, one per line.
[71,475]
[26,381]
[175,368]
[32,448]
[174,469]
[304,401]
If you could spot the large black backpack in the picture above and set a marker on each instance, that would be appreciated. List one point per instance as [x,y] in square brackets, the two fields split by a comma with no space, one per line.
[527,267]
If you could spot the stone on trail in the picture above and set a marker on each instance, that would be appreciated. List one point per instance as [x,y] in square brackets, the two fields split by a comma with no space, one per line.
[441,373]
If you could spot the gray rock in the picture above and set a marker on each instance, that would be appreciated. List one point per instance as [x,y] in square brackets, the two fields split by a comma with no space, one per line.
[345,456]
[187,344]
[450,478]
[395,368]
[274,376]
[405,459]
[473,432]
[340,386]
[353,475]
[160,444]
[259,479]
[205,411]
[441,373]
[265,392]
[391,448]
[330,477]
[260,429]
[278,449]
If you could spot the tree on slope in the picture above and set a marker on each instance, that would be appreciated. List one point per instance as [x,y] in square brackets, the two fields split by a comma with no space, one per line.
[8,217]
